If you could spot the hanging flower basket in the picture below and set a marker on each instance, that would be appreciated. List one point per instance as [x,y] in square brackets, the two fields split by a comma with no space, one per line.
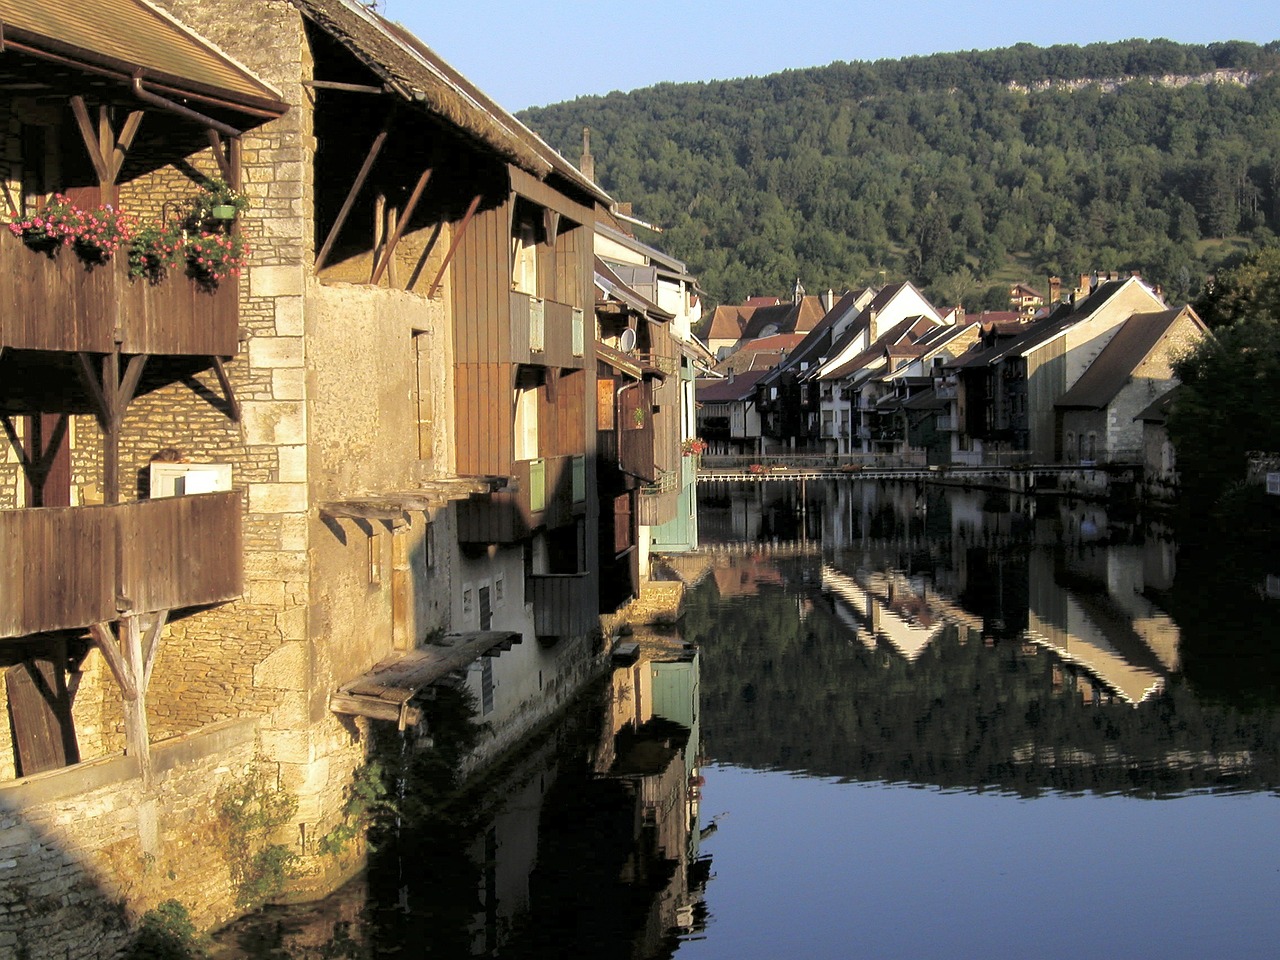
[156,249]
[213,256]
[217,202]
[95,234]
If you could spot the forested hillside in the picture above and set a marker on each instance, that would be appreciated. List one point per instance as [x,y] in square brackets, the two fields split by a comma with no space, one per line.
[960,172]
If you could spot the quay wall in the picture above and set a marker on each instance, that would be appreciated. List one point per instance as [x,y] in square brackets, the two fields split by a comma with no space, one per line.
[85,850]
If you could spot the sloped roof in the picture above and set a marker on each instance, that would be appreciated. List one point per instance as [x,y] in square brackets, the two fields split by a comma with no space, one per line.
[911,327]
[416,72]
[666,264]
[1110,371]
[131,37]
[727,322]
[789,317]
[1158,411]
[741,387]
[609,282]
[762,301]
[1039,332]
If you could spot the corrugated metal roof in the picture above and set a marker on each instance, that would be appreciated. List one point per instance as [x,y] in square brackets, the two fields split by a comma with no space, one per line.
[132,35]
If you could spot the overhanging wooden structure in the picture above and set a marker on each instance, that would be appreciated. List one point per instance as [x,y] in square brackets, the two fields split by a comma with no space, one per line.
[387,691]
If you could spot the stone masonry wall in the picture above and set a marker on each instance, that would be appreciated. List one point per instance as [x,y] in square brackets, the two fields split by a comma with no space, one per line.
[83,851]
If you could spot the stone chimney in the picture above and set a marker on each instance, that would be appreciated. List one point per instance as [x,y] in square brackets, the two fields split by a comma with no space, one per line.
[588,163]
[1055,290]
[828,300]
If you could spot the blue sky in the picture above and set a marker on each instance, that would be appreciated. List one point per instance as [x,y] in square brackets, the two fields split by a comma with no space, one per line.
[537,52]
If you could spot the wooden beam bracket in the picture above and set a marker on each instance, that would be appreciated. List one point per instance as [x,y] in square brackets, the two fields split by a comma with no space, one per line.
[356,186]
[458,234]
[389,250]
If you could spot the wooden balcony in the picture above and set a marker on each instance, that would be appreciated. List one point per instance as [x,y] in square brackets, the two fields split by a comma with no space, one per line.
[546,333]
[55,301]
[564,604]
[63,568]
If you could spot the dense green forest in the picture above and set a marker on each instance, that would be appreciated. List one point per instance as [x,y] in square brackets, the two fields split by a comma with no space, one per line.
[961,172]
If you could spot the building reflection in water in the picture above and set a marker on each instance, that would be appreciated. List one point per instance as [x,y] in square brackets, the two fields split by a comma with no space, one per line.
[966,639]
[587,844]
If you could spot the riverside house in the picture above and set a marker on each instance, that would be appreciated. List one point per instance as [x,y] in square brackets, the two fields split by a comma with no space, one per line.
[250,521]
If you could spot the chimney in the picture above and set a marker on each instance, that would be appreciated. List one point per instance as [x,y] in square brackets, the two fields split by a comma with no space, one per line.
[828,300]
[588,163]
[1055,290]
[872,313]
[798,293]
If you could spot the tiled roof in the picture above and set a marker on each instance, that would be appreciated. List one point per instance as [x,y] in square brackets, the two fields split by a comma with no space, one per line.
[741,387]
[1110,371]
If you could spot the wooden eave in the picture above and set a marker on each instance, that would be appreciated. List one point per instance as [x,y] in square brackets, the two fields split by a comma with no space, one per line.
[386,692]
[396,505]
[236,90]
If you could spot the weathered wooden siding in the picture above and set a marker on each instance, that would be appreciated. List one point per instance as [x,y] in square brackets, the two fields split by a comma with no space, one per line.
[63,567]
[57,302]
[481,289]
[564,605]
[485,420]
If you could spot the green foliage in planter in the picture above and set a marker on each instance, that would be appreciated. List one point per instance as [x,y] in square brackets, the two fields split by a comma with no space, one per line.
[216,193]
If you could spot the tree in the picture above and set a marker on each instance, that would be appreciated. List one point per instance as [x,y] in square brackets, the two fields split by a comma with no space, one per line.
[1251,289]
[1226,406]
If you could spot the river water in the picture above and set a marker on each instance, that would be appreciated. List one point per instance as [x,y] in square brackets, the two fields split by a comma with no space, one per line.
[895,721]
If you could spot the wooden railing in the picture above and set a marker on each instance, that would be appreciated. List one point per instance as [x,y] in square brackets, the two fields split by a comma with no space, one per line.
[62,568]
[55,301]
[564,605]
[545,333]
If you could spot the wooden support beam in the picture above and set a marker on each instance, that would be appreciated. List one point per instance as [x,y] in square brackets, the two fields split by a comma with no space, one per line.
[111,435]
[233,405]
[344,87]
[125,141]
[12,432]
[151,645]
[122,648]
[90,138]
[129,385]
[220,155]
[105,639]
[237,164]
[357,185]
[389,250]
[458,234]
[93,386]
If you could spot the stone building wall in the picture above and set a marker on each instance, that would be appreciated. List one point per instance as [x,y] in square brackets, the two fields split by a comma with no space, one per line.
[90,851]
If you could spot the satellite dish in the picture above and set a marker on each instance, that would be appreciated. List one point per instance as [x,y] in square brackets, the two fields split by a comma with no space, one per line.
[627,342]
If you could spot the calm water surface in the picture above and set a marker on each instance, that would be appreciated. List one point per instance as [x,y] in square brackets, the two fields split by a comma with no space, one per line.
[896,722]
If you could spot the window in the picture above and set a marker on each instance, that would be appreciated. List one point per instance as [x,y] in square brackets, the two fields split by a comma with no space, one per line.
[524,277]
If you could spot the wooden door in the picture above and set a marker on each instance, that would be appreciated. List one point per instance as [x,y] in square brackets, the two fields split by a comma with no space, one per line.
[48,454]
[44,735]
